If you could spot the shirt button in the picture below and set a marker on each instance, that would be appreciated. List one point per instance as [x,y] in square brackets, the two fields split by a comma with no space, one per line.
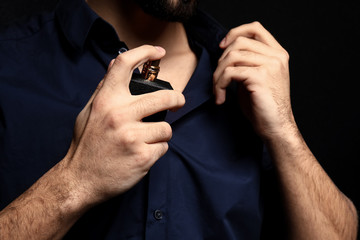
[158,214]
[122,50]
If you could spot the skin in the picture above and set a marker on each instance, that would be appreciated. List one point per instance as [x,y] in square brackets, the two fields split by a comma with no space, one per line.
[136,28]
[112,149]
[316,208]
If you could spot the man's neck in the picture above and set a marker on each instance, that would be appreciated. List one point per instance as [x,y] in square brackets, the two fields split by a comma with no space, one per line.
[136,28]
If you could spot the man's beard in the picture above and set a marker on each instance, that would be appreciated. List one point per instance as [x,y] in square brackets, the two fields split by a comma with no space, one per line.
[169,10]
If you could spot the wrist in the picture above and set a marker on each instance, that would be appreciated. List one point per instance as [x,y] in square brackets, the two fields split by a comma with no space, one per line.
[48,208]
[71,194]
[286,144]
[285,135]
[283,130]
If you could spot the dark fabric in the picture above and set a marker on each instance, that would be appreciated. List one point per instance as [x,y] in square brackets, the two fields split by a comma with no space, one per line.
[207,186]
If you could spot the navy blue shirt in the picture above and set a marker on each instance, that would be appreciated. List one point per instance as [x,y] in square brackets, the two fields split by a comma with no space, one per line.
[207,186]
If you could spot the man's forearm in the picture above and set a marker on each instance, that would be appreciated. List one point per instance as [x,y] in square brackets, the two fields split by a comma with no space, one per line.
[260,65]
[315,206]
[45,211]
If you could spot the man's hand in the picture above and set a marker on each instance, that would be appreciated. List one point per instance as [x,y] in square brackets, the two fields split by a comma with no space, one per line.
[112,148]
[253,58]
[315,206]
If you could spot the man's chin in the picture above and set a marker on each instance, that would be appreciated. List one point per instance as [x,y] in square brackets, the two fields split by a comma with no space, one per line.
[168,10]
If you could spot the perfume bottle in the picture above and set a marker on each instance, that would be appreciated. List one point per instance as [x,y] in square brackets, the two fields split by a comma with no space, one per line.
[147,82]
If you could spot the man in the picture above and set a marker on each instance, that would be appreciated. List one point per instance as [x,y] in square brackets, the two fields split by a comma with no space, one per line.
[113,182]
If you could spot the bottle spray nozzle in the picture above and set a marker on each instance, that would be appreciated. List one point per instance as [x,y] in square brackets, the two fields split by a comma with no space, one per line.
[150,70]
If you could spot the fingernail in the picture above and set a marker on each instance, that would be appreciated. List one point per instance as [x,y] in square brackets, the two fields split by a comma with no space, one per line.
[160,49]
[101,83]
[223,42]
[219,101]
[111,63]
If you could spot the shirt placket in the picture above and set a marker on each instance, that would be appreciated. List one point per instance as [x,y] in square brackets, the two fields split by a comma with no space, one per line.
[157,211]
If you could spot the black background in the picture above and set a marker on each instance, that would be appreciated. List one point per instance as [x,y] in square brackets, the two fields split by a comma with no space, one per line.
[323,43]
[322,40]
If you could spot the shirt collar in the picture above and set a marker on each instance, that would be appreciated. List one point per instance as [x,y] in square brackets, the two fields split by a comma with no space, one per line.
[204,35]
[76,19]
[206,31]
[199,88]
